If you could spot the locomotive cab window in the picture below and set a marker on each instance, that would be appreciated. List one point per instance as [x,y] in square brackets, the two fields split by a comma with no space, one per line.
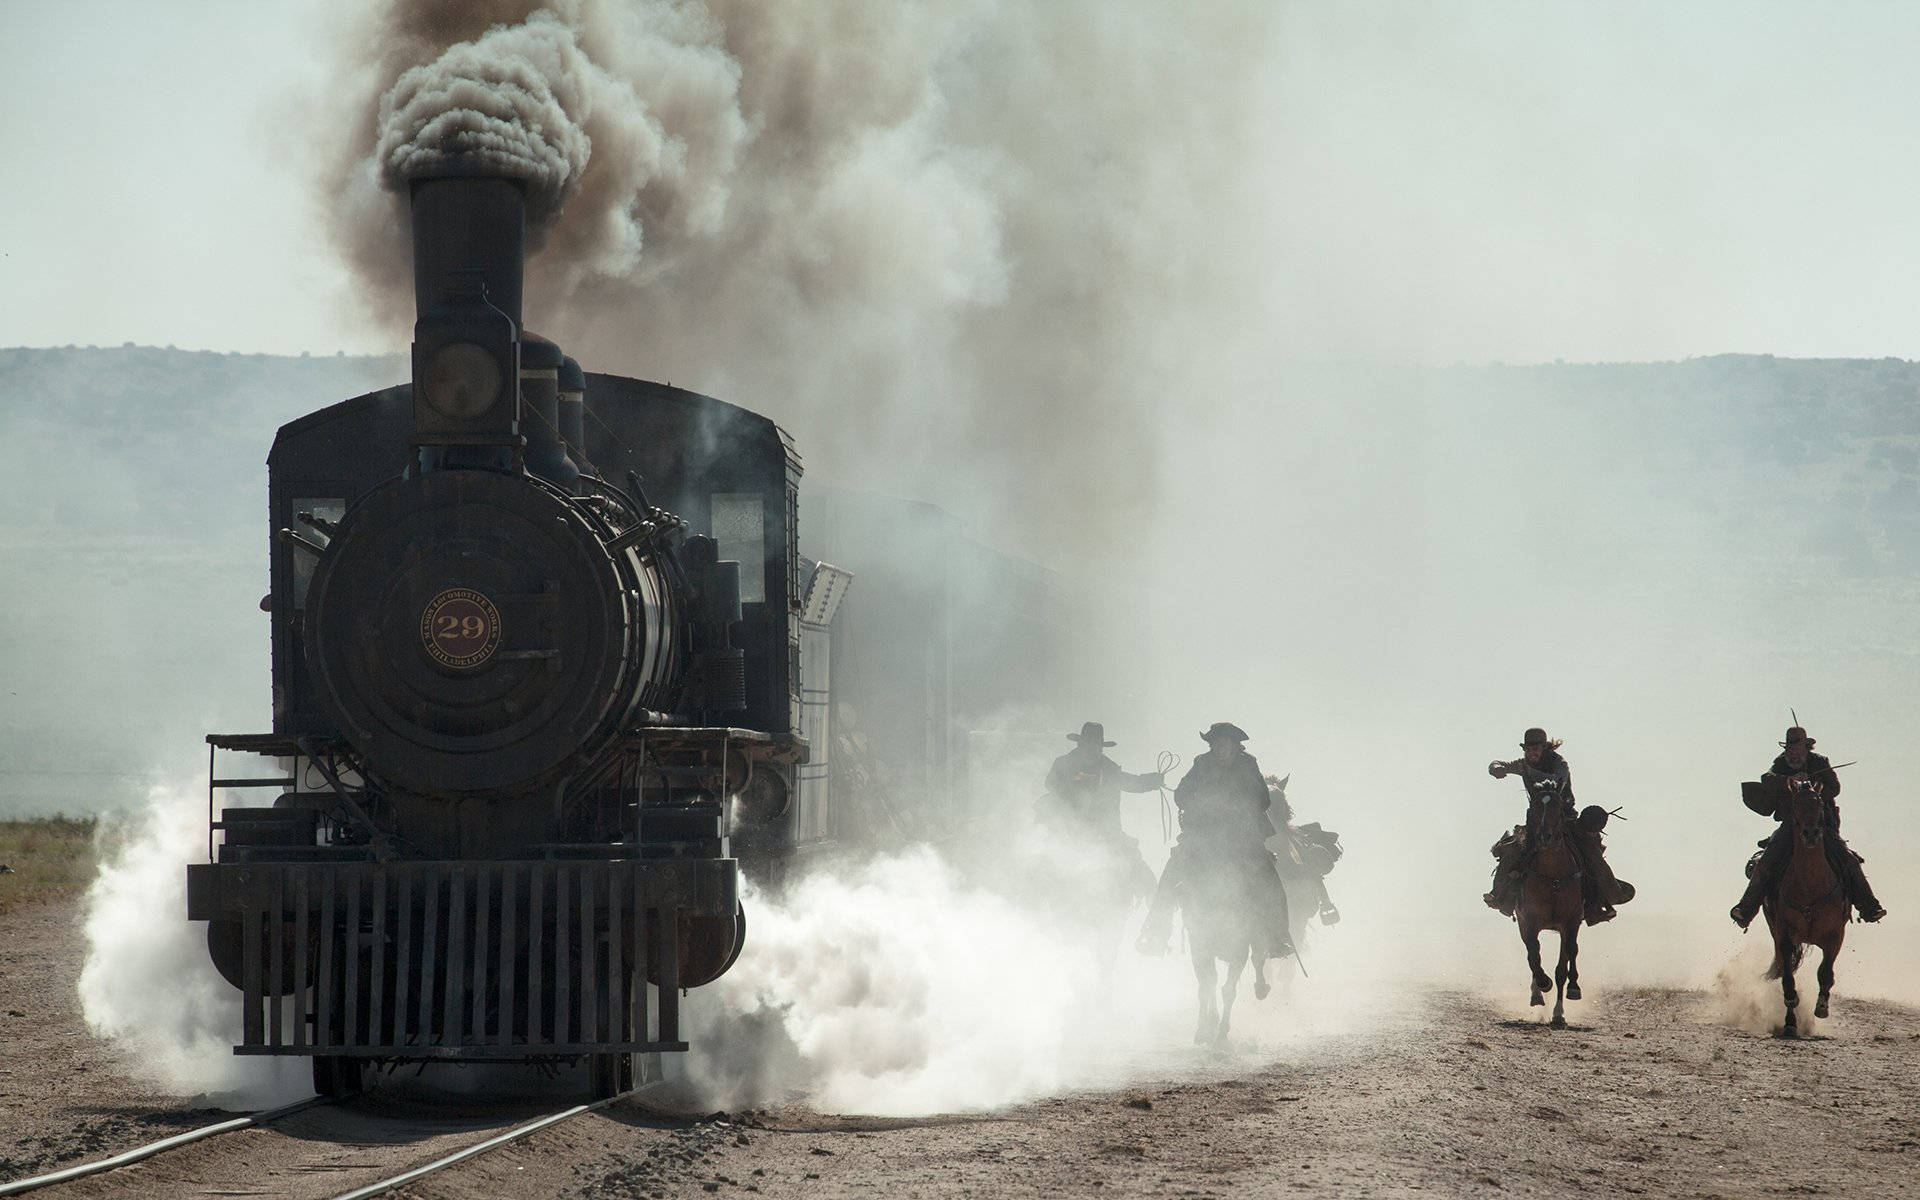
[326,508]
[739,526]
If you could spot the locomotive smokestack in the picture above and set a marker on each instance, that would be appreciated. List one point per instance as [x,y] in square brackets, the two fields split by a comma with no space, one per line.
[466,224]
[469,249]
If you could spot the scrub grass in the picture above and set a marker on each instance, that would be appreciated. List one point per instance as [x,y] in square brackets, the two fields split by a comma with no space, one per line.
[50,858]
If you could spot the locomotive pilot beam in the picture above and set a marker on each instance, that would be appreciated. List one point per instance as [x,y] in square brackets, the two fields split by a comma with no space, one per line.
[524,716]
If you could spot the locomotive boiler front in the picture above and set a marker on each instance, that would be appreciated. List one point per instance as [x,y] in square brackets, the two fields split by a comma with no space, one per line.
[473,633]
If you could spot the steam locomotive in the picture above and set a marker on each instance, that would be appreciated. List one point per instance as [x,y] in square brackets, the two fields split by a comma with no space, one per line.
[537,643]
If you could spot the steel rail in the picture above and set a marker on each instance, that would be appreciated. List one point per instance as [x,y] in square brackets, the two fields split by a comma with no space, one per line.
[82,1170]
[385,1185]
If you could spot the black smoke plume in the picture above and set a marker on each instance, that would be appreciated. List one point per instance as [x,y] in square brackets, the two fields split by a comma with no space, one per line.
[977,253]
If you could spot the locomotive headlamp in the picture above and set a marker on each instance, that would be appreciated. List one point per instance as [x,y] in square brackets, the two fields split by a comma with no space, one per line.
[461,381]
[466,371]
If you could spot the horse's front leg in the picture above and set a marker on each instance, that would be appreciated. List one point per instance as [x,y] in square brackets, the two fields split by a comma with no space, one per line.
[1204,977]
[1789,961]
[1530,936]
[1825,975]
[1560,981]
[1228,991]
[1571,941]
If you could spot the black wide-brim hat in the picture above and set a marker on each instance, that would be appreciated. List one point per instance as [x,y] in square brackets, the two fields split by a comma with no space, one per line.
[1533,737]
[1224,729]
[1797,734]
[1092,731]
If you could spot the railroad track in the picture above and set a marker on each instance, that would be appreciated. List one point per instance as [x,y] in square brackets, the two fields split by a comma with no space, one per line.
[256,1120]
[140,1153]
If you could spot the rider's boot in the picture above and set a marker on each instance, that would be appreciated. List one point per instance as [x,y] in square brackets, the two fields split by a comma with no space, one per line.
[1505,895]
[1156,933]
[1279,943]
[1854,879]
[1765,872]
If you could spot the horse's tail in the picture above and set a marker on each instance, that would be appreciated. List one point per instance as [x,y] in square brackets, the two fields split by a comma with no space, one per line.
[1785,961]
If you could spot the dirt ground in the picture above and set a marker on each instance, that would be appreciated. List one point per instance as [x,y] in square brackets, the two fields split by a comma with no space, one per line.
[1651,1092]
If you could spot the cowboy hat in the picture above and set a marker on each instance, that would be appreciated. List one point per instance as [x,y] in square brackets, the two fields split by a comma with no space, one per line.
[1224,729]
[1092,731]
[1797,734]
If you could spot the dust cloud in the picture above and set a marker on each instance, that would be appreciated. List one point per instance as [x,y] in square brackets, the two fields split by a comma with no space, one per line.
[975,973]
[1136,289]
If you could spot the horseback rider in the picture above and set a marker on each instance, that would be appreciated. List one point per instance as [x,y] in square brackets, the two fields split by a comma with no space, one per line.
[1307,852]
[1087,784]
[1223,804]
[1797,762]
[1545,773]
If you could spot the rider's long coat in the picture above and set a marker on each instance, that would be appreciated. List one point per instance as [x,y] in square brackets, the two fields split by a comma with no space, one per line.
[1089,786]
[1221,795]
[1817,767]
[1553,766]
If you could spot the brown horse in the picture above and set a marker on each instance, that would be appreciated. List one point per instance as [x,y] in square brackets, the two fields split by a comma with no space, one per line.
[1809,907]
[1550,898]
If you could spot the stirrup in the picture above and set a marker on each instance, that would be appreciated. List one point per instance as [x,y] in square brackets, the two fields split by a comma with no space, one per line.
[1329,915]
[1870,915]
[1600,912]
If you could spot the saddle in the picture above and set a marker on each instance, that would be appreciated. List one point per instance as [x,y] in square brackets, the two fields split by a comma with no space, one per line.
[1310,851]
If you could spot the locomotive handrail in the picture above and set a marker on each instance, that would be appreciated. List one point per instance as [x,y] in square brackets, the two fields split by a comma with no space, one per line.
[302,543]
[216,743]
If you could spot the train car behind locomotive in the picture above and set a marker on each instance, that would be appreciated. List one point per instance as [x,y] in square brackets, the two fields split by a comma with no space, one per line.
[523,716]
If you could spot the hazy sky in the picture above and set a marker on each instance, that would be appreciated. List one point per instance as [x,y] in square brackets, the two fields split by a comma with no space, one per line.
[1449,181]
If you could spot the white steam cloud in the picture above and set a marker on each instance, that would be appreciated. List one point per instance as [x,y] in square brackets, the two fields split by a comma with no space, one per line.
[148,984]
[890,988]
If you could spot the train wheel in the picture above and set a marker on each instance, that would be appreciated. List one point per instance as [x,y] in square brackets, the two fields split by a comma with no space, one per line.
[610,1074]
[338,1077]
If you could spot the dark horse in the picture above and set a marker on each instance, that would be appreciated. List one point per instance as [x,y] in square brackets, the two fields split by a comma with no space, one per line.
[1809,908]
[1550,898]
[1223,926]
[1104,878]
